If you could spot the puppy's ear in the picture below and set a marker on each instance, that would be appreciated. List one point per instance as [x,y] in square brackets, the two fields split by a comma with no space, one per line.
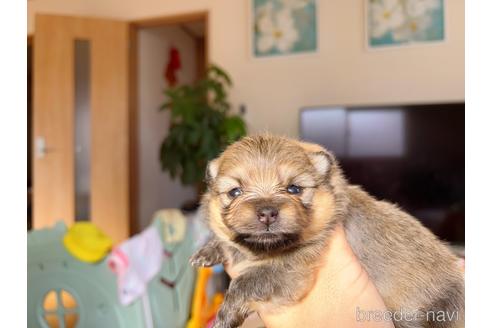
[321,158]
[322,161]
[212,171]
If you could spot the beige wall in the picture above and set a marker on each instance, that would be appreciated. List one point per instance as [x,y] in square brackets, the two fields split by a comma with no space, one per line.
[156,189]
[342,72]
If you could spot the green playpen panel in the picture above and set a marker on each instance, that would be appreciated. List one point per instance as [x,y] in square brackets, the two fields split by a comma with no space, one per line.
[65,292]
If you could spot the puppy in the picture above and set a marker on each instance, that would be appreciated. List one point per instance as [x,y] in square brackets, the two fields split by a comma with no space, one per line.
[272,204]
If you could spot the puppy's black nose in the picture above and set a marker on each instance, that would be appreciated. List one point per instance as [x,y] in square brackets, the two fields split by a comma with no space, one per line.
[267,215]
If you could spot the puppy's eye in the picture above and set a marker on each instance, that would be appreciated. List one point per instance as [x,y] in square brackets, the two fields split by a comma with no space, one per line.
[294,190]
[233,193]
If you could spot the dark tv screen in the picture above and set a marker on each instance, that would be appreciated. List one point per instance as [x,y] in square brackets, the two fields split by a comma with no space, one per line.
[411,155]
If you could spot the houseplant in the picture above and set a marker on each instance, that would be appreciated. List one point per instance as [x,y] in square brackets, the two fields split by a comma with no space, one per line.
[201,126]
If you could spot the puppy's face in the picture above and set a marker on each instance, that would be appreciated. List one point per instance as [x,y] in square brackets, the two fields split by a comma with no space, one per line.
[269,194]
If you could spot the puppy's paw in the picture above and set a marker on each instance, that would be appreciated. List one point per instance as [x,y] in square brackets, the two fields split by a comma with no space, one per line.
[218,324]
[205,257]
[228,316]
[223,324]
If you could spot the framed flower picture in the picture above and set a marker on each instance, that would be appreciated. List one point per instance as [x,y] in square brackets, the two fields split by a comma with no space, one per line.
[283,27]
[404,22]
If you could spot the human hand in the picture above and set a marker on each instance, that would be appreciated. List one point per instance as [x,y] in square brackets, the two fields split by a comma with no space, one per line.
[341,287]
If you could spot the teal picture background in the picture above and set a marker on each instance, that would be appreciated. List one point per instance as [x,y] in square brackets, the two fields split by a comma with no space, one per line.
[304,20]
[434,32]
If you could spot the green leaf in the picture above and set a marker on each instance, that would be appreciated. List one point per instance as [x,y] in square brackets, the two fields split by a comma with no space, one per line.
[167,105]
[200,126]
[233,128]
[213,69]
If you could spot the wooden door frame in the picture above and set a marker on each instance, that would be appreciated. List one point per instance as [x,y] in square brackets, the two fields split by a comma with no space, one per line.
[134,27]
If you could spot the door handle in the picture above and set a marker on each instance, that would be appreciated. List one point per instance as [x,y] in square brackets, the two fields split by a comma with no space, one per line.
[40,147]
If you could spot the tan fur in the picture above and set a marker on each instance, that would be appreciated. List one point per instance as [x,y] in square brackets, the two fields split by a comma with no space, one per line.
[410,267]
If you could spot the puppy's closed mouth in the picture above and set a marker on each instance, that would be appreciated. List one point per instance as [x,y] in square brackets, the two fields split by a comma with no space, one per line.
[267,241]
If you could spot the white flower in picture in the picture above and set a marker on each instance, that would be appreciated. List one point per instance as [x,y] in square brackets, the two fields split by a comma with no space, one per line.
[284,27]
[395,22]
[277,30]
[413,28]
[385,16]
[419,7]
[264,21]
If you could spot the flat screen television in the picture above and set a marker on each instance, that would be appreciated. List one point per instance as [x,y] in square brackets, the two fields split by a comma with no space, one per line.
[411,155]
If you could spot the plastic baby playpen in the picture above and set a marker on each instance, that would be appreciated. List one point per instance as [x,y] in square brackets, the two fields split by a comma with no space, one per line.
[66,292]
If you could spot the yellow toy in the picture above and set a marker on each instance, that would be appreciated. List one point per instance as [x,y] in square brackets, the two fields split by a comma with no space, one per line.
[86,242]
[203,311]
